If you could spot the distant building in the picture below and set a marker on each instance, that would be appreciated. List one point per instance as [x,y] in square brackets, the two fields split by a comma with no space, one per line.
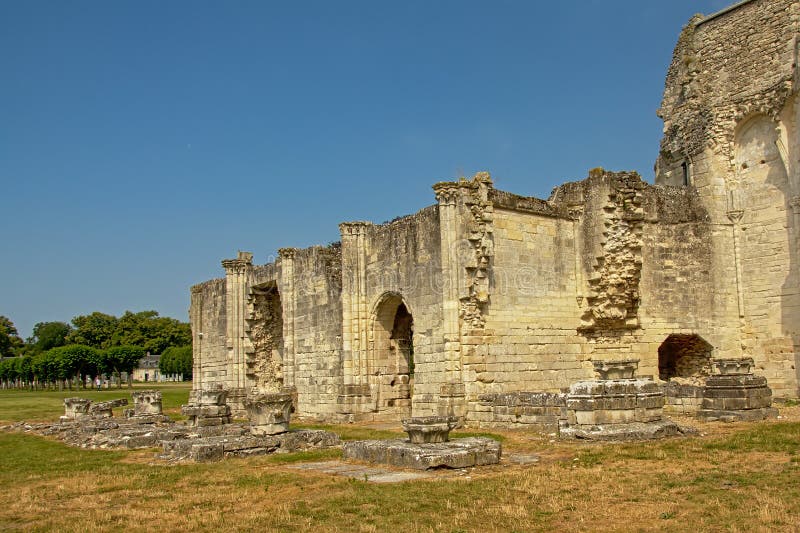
[148,370]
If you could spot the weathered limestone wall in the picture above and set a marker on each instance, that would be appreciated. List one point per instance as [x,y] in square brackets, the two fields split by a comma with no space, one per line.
[680,263]
[316,331]
[209,352]
[533,313]
[488,305]
[730,130]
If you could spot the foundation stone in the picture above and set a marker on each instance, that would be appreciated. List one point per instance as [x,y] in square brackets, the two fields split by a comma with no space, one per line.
[457,453]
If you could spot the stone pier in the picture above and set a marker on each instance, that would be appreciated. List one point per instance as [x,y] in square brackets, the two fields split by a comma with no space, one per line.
[734,393]
[617,405]
[210,408]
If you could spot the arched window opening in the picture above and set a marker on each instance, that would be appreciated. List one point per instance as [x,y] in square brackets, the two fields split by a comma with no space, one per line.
[684,356]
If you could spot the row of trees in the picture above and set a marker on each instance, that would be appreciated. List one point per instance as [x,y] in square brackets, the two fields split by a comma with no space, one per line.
[68,366]
[145,329]
[58,354]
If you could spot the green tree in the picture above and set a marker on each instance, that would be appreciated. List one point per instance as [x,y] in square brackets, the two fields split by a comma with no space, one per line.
[75,362]
[47,369]
[24,368]
[48,335]
[176,360]
[145,329]
[124,359]
[7,371]
[95,330]
[9,338]
[150,331]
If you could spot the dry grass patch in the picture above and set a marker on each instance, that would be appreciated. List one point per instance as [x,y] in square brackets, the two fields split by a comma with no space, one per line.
[738,477]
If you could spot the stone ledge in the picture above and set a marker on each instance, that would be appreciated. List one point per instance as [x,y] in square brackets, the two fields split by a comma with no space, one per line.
[742,415]
[457,453]
[630,431]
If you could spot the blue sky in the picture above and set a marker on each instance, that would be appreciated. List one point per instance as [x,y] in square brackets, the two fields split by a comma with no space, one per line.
[141,142]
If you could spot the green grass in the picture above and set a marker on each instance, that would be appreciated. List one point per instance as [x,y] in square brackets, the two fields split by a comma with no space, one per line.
[742,477]
[19,405]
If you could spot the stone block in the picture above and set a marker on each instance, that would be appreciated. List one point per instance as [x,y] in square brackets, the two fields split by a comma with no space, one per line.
[206,452]
[458,453]
[147,402]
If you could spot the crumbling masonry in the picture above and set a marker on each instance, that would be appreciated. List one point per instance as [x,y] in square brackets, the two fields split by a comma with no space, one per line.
[487,305]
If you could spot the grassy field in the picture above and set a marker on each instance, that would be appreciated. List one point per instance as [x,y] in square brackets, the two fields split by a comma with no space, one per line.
[35,406]
[734,477]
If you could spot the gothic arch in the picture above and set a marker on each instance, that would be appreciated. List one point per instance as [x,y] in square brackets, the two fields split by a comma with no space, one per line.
[265,331]
[390,355]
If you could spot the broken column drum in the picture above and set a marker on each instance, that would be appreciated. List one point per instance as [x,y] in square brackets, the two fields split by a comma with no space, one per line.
[209,408]
[269,413]
[75,408]
[734,393]
[616,398]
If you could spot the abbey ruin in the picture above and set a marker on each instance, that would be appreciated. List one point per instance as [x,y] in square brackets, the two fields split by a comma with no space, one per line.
[487,304]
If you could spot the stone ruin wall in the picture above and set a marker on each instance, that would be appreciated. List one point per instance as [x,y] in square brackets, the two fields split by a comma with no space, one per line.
[606,269]
[730,113]
[209,337]
[317,328]
[401,260]
[513,297]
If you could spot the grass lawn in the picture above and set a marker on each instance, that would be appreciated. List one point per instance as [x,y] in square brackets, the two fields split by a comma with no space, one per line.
[36,406]
[734,477]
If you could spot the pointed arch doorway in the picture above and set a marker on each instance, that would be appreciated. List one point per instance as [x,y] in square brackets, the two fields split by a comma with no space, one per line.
[391,356]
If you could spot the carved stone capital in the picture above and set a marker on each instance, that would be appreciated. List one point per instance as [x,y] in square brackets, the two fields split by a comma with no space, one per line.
[353,228]
[446,192]
[238,265]
[287,253]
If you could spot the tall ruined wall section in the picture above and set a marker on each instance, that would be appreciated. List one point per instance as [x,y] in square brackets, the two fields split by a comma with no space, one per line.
[383,266]
[272,327]
[209,351]
[529,342]
[730,113]
[316,306]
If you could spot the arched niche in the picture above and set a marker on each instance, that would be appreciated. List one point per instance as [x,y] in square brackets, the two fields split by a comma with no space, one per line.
[760,169]
[265,322]
[390,361]
[684,356]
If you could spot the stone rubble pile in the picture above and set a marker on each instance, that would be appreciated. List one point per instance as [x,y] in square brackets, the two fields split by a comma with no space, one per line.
[209,435]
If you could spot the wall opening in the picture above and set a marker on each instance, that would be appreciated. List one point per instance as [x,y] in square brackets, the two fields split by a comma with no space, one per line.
[391,361]
[265,362]
[684,356]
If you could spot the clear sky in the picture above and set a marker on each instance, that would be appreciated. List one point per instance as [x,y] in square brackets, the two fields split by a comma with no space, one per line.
[141,142]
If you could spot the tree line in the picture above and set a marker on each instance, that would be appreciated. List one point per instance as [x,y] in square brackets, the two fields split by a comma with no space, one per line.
[59,355]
